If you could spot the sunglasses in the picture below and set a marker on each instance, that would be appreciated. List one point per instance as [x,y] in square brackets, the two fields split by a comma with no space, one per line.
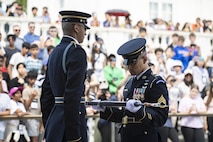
[17,30]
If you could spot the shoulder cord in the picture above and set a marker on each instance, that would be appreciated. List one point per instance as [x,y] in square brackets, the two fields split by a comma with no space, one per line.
[65,54]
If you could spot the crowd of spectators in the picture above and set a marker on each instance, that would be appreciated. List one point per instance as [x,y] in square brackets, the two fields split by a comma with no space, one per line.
[23,62]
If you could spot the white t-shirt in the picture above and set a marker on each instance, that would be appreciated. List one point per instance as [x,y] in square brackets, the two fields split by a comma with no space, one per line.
[15,59]
[4,105]
[185,105]
[14,106]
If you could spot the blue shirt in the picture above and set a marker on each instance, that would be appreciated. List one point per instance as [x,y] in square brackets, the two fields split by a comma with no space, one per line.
[31,38]
[180,52]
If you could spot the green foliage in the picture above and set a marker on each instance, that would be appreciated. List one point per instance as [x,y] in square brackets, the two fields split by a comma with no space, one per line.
[24,3]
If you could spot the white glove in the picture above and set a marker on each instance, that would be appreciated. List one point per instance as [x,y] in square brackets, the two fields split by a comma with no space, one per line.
[130,105]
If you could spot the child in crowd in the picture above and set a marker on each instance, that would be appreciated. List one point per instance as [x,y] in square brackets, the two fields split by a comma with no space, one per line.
[31,97]
[15,129]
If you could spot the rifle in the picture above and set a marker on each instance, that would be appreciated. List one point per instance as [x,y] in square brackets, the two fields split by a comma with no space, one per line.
[121,104]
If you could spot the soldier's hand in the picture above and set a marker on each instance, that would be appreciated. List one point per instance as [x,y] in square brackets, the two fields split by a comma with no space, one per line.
[131,105]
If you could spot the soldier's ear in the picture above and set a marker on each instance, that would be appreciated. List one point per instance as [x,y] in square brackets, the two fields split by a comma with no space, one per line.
[76,27]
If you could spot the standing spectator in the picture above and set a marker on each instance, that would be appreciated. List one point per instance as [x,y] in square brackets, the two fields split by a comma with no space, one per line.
[209,105]
[160,63]
[192,126]
[63,87]
[2,45]
[45,16]
[168,131]
[3,69]
[169,53]
[193,47]
[200,75]
[10,11]
[31,36]
[19,41]
[19,80]
[31,97]
[209,65]
[95,22]
[186,27]
[16,58]
[174,41]
[127,22]
[177,71]
[113,74]
[53,33]
[98,60]
[149,43]
[182,53]
[4,105]
[108,21]
[17,108]
[10,49]
[177,27]
[197,27]
[4,110]
[34,12]
[207,28]
[32,62]
[104,126]
[187,83]
[139,25]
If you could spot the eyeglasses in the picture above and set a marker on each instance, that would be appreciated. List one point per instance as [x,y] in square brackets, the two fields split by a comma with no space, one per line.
[17,30]
[32,27]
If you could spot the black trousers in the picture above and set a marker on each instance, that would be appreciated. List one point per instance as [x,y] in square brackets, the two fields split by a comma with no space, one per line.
[193,134]
[210,128]
[167,132]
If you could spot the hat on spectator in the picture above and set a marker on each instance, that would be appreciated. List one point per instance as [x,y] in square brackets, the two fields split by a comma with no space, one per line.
[14,90]
[131,50]
[75,16]
[178,63]
[200,59]
[188,71]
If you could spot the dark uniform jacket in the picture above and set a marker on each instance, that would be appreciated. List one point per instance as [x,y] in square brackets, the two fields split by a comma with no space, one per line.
[141,126]
[64,121]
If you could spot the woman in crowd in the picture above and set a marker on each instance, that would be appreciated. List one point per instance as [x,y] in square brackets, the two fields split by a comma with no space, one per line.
[192,126]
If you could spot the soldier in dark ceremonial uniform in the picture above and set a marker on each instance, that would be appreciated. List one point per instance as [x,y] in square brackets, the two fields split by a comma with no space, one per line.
[139,122]
[63,89]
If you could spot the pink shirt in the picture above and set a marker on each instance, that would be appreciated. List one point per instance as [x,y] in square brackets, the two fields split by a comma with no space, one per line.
[185,105]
